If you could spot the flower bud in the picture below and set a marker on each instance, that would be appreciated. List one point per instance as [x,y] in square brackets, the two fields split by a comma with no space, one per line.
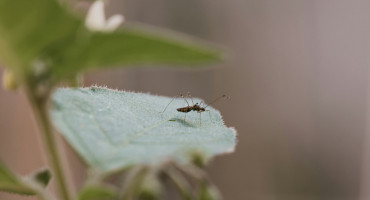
[9,80]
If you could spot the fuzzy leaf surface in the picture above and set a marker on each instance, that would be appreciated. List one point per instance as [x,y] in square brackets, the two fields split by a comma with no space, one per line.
[113,129]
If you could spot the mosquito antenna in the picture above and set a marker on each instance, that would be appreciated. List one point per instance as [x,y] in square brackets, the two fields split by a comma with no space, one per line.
[214,101]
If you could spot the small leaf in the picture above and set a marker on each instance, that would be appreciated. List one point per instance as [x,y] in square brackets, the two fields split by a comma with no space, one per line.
[133,45]
[42,177]
[96,192]
[112,130]
[10,182]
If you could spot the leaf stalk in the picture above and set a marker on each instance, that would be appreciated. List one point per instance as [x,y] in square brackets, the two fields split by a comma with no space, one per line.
[39,105]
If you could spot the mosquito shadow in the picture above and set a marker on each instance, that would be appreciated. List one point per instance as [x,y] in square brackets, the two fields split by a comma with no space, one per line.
[182,121]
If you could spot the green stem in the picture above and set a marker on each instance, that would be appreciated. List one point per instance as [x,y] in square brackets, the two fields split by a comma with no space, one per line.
[40,110]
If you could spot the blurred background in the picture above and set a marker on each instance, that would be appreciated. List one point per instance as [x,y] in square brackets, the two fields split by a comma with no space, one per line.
[298,75]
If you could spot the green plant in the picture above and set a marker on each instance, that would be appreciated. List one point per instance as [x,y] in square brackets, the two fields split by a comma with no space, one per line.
[43,43]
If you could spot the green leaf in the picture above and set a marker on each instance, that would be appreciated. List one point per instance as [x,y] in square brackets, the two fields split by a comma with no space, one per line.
[96,192]
[44,33]
[10,182]
[112,129]
[29,28]
[133,45]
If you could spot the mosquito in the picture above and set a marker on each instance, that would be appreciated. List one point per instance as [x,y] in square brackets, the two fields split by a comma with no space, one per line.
[195,107]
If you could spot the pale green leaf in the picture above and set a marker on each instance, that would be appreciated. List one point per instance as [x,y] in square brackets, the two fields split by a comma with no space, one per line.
[10,182]
[112,129]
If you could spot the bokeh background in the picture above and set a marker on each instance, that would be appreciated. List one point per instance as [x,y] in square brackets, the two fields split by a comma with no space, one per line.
[298,75]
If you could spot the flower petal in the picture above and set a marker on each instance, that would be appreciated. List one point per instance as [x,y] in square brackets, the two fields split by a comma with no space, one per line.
[113,22]
[95,19]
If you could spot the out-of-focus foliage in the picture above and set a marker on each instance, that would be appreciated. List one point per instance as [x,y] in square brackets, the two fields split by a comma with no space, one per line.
[43,37]
[29,30]
[133,45]
[96,192]
[11,183]
[42,177]
[42,42]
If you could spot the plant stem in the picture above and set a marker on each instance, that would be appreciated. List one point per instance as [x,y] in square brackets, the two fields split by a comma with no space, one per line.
[40,192]
[180,182]
[133,180]
[39,105]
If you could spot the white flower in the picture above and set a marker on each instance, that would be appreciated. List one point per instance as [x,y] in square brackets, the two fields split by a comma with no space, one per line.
[95,19]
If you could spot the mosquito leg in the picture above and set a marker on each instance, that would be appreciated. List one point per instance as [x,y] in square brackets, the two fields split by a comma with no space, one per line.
[202,102]
[185,99]
[189,95]
[200,119]
[174,99]
[168,104]
[209,113]
[185,117]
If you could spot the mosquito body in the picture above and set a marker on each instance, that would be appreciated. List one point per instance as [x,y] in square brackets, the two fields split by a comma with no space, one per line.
[197,107]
